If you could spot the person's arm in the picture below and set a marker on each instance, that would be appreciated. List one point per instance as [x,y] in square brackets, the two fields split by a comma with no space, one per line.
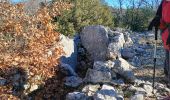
[156,21]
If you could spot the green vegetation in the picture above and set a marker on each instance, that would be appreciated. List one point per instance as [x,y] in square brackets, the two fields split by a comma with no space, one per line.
[134,15]
[84,13]
[138,19]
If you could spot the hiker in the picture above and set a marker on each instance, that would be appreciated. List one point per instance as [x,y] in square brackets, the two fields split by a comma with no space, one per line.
[162,21]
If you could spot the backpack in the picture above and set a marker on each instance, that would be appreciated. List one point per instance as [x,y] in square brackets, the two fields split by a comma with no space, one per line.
[165,24]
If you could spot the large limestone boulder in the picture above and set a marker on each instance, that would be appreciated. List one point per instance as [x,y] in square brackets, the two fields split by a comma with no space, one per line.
[95,40]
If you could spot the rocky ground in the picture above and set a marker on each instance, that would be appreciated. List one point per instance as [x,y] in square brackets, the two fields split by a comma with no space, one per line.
[126,72]
[111,65]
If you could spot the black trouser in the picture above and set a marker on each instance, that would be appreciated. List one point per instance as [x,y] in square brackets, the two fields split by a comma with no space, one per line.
[167,62]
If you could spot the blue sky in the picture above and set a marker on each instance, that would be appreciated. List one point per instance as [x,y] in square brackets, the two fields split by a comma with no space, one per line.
[110,2]
[16,0]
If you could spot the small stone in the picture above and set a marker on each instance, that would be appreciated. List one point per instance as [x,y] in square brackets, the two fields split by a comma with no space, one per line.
[119,82]
[26,86]
[123,68]
[105,67]
[127,53]
[159,86]
[148,89]
[106,93]
[139,82]
[76,96]
[37,77]
[95,76]
[119,97]
[167,90]
[90,90]
[137,97]
[148,83]
[33,88]
[138,90]
[73,81]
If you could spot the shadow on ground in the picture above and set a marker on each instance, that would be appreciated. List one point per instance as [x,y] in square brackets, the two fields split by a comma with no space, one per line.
[15,79]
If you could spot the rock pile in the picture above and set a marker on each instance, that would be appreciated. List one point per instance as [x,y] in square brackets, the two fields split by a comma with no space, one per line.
[115,54]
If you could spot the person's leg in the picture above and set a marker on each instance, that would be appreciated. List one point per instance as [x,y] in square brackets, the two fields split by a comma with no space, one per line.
[166,64]
[168,69]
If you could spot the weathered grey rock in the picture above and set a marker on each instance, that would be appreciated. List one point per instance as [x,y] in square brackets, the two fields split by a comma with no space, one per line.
[90,90]
[119,97]
[137,90]
[159,86]
[95,76]
[126,36]
[115,46]
[73,81]
[148,89]
[123,68]
[128,53]
[139,82]
[148,83]
[26,86]
[95,40]
[106,93]
[67,70]
[128,40]
[33,87]
[76,96]
[167,90]
[119,82]
[105,67]
[137,97]
[70,48]
[2,81]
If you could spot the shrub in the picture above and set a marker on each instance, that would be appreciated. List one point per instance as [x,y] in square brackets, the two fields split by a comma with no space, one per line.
[84,13]
[28,40]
